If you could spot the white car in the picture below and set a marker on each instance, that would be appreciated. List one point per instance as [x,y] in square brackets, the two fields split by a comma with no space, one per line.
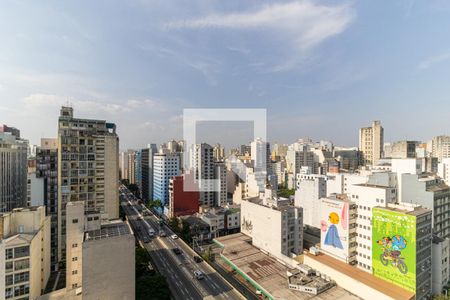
[174,236]
[199,275]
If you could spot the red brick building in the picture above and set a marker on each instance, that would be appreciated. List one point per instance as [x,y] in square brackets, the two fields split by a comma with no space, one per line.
[182,202]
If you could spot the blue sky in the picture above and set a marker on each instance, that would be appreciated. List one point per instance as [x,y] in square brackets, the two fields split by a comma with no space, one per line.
[322,69]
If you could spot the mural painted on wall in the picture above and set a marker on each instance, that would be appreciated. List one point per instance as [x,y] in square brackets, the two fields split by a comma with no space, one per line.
[334,227]
[393,247]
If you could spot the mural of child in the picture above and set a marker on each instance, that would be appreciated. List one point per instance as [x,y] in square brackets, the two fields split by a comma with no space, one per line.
[332,237]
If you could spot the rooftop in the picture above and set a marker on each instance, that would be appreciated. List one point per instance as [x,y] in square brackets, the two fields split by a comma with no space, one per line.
[267,272]
[107,231]
[368,279]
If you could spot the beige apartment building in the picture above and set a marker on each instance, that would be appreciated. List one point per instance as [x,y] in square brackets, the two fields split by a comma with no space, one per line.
[25,253]
[371,142]
[88,168]
[100,256]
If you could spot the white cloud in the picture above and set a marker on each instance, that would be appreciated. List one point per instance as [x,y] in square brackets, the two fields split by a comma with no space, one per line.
[434,60]
[305,22]
[41,100]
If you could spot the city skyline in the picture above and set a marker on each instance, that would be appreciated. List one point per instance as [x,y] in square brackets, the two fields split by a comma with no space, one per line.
[322,69]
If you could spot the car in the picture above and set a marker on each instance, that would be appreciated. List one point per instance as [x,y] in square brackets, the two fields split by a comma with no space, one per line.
[174,236]
[177,251]
[162,234]
[199,275]
[198,259]
[151,232]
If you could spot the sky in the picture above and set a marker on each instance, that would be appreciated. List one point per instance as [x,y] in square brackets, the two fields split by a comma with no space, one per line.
[321,69]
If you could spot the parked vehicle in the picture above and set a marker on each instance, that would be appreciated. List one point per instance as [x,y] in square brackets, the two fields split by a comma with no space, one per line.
[177,251]
[198,259]
[174,236]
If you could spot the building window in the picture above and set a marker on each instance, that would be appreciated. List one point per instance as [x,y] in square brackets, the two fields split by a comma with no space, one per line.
[74,272]
[21,251]
[74,258]
[9,293]
[74,221]
[8,253]
[21,277]
[74,245]
[9,280]
[22,264]
[75,285]
[21,290]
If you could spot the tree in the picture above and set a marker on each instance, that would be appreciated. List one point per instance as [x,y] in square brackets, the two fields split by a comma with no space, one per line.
[142,259]
[152,287]
[154,204]
[186,231]
[174,224]
[134,189]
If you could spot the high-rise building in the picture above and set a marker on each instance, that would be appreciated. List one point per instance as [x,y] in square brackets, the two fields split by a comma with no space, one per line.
[371,142]
[245,150]
[147,171]
[88,168]
[401,247]
[209,174]
[260,153]
[25,248]
[123,165]
[219,152]
[299,157]
[165,166]
[440,147]
[13,169]
[131,158]
[47,169]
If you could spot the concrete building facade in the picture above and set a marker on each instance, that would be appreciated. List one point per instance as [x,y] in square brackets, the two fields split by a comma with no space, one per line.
[371,141]
[88,168]
[13,169]
[25,248]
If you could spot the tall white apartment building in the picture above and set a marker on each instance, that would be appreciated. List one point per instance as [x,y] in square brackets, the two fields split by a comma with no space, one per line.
[25,248]
[440,147]
[165,166]
[308,195]
[366,197]
[147,171]
[210,175]
[371,141]
[260,153]
[444,170]
[13,169]
[88,167]
[440,264]
[274,227]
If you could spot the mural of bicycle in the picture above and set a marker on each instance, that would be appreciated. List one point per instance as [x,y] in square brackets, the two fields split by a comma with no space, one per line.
[392,251]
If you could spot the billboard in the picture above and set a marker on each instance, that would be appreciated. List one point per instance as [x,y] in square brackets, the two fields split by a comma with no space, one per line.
[334,235]
[393,247]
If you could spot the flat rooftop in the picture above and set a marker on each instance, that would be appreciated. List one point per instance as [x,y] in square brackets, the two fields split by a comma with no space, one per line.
[267,272]
[107,231]
[368,279]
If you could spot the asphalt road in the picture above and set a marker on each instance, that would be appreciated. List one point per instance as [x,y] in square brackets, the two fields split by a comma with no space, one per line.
[178,269]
